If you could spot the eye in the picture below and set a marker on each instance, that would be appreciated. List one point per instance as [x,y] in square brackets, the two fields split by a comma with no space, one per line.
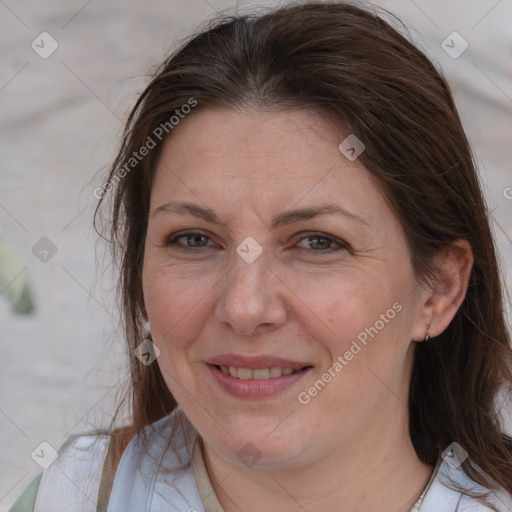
[193,239]
[319,242]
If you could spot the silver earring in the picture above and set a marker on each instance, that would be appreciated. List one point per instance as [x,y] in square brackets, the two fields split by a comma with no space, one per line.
[427,335]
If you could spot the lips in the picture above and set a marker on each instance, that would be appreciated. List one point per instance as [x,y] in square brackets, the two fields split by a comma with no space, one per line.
[256,377]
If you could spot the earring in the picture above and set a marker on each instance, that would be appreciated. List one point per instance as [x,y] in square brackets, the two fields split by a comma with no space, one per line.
[146,331]
[427,335]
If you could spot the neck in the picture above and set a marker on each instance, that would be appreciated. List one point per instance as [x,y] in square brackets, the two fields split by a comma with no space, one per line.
[377,472]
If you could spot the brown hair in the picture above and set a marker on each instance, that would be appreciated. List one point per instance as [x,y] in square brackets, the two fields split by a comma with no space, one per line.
[356,69]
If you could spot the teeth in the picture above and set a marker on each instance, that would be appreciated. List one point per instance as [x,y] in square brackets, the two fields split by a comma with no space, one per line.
[257,374]
[244,373]
[263,373]
[276,372]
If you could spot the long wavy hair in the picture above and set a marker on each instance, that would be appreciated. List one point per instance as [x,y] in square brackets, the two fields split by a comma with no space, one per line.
[354,68]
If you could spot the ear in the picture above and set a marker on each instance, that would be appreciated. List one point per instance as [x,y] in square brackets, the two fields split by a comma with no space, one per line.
[442,299]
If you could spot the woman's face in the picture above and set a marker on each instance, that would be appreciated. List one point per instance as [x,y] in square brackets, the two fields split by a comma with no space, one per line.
[278,253]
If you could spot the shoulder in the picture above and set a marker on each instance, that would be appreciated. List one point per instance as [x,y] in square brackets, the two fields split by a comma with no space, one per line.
[445,493]
[155,467]
[155,471]
[72,481]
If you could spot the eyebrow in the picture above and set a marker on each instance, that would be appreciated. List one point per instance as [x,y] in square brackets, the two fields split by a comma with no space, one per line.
[281,219]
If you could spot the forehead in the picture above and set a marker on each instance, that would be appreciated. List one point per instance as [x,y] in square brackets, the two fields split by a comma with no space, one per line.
[240,158]
[280,139]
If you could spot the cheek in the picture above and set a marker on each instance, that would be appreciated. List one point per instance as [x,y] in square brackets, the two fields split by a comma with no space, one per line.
[366,355]
[173,305]
[169,291]
[364,318]
[343,304]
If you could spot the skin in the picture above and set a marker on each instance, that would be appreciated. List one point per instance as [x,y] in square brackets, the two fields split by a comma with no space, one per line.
[302,299]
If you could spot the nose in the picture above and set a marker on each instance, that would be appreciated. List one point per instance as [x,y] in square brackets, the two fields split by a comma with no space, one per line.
[252,297]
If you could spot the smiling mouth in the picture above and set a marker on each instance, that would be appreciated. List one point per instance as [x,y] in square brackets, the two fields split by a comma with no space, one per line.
[258,373]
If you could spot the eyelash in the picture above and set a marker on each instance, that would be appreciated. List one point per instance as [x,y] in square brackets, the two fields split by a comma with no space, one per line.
[172,241]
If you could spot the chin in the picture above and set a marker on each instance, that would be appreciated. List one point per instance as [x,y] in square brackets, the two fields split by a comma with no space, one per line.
[256,449]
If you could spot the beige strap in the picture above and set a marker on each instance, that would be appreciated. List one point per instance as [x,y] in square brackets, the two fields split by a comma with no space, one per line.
[106,482]
[204,484]
[122,437]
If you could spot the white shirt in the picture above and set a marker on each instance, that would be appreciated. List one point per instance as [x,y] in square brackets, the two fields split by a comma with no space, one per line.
[154,477]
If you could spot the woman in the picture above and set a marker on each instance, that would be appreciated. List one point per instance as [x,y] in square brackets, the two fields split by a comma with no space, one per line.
[300,228]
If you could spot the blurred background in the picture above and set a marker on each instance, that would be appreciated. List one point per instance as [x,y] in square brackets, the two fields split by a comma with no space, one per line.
[71,71]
